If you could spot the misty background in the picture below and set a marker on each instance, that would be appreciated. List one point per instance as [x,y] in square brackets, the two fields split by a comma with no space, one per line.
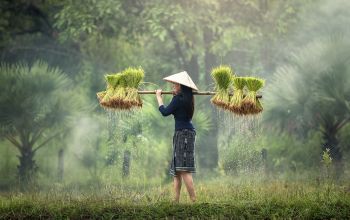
[54,55]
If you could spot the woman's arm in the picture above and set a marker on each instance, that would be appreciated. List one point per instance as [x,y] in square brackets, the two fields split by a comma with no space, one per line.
[170,108]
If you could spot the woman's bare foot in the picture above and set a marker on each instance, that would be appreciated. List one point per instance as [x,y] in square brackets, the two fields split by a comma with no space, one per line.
[193,199]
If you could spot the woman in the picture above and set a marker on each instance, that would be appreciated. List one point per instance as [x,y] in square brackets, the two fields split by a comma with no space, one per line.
[183,157]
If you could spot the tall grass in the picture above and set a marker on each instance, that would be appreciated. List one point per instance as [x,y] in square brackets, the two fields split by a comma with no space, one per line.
[217,198]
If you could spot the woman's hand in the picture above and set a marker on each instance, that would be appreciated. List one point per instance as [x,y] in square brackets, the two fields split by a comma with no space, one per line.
[159,97]
[159,92]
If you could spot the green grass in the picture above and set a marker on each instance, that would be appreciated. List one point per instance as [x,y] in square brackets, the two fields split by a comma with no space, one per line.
[221,198]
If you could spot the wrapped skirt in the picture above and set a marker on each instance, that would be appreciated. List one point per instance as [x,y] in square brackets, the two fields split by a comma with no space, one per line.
[183,152]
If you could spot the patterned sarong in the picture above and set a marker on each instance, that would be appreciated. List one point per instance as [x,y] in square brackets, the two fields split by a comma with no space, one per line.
[183,156]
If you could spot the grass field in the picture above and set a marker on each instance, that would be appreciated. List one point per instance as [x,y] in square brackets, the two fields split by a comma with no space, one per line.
[216,199]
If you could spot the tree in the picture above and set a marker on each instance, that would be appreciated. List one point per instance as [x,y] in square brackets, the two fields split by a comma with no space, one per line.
[313,92]
[36,107]
[28,32]
[89,37]
[198,35]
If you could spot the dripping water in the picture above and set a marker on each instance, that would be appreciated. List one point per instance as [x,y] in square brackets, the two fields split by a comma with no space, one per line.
[239,134]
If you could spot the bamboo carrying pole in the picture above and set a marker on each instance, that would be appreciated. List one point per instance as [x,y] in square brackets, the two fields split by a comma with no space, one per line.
[194,93]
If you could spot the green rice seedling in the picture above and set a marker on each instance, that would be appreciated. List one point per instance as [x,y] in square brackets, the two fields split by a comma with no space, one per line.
[106,100]
[235,105]
[250,104]
[120,93]
[222,76]
[112,80]
[133,78]
[100,96]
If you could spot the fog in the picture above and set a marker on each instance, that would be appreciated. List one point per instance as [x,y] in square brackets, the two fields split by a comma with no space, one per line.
[56,137]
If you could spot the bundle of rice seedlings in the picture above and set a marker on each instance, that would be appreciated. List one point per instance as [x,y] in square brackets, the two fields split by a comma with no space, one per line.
[222,76]
[122,90]
[250,104]
[112,80]
[133,78]
[236,100]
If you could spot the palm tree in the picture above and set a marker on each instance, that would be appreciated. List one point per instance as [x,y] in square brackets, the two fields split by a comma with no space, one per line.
[36,107]
[313,92]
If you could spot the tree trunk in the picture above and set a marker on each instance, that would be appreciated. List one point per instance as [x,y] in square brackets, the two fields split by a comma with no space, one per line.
[193,68]
[112,152]
[27,167]
[60,165]
[210,63]
[331,142]
[266,49]
[126,163]
[264,160]
[210,142]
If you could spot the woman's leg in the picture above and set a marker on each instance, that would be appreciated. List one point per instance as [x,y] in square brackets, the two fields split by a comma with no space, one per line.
[177,186]
[187,177]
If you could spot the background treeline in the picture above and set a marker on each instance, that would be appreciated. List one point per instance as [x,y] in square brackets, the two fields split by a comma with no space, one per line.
[54,55]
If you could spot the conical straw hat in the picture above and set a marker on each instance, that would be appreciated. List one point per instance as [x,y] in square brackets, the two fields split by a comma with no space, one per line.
[181,78]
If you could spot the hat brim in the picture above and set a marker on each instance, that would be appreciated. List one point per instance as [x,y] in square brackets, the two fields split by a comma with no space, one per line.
[181,84]
[182,78]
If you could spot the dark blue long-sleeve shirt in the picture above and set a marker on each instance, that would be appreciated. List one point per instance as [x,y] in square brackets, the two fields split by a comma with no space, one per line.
[177,108]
